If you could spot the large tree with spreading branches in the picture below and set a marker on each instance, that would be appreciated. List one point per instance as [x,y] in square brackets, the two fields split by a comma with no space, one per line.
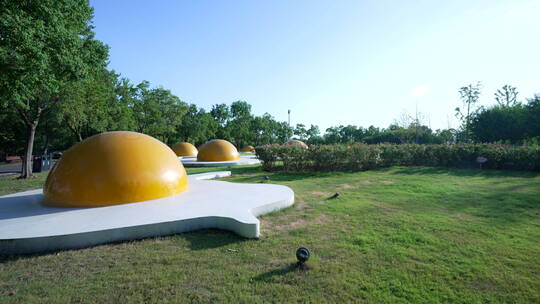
[45,46]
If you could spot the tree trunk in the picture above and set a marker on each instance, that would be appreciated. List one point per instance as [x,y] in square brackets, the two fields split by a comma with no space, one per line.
[27,162]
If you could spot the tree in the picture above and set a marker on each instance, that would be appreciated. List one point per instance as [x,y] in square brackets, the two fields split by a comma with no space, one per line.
[507,96]
[221,114]
[515,123]
[500,123]
[446,136]
[264,130]
[332,135]
[348,134]
[304,134]
[404,120]
[44,45]
[469,96]
[300,131]
[86,105]
[313,134]
[240,109]
[197,126]
[12,135]
[533,116]
[238,127]
[283,132]
[158,112]
[121,116]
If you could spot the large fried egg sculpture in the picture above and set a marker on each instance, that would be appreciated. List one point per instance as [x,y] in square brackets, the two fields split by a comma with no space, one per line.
[119,186]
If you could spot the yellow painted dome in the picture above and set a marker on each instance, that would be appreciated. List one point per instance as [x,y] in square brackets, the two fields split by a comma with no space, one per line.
[185,149]
[114,168]
[248,149]
[218,150]
[295,142]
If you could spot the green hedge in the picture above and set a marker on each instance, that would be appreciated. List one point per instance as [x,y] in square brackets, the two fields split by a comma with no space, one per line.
[359,157]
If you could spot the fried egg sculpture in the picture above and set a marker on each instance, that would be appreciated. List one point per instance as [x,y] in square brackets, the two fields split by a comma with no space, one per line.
[219,152]
[248,149]
[119,186]
[185,149]
[296,143]
[114,168]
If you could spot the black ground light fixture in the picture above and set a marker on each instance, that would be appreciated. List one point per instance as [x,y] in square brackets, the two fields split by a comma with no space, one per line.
[302,255]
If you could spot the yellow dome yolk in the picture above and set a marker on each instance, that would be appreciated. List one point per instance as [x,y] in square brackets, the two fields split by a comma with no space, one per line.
[297,143]
[248,149]
[185,149]
[114,168]
[218,150]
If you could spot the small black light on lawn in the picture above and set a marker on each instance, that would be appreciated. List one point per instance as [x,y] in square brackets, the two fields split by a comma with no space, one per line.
[302,255]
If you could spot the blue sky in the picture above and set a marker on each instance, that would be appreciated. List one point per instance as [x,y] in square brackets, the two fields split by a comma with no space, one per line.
[330,62]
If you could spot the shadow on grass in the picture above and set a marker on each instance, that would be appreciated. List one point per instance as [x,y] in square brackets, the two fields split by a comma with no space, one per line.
[4,258]
[199,240]
[267,276]
[244,170]
[503,206]
[234,169]
[211,238]
[493,198]
[293,176]
[257,173]
[462,172]
[268,177]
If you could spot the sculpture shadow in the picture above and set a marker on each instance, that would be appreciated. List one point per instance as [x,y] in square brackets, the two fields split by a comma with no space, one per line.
[25,206]
[296,176]
[211,238]
[293,267]
[465,172]
[244,169]
[4,258]
[199,240]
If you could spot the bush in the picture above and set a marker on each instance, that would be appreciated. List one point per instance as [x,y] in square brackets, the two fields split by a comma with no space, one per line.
[359,157]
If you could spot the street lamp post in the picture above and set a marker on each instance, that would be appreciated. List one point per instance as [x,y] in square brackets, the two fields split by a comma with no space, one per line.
[289,121]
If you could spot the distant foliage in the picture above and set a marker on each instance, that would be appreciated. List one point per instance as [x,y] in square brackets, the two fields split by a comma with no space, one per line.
[506,96]
[469,96]
[360,157]
[45,47]
[56,90]
[512,123]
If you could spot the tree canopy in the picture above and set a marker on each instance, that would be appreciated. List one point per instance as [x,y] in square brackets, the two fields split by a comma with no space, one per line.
[53,74]
[45,46]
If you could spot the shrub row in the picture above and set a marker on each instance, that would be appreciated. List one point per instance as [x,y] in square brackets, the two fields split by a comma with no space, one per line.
[358,157]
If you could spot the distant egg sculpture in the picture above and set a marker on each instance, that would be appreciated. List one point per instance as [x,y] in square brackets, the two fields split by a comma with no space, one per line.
[114,168]
[297,143]
[218,150]
[185,149]
[248,149]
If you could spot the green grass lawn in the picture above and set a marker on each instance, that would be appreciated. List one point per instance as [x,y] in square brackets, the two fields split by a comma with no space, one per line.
[398,235]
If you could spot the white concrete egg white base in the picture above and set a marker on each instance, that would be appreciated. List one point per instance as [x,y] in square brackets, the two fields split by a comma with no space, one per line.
[244,160]
[27,226]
